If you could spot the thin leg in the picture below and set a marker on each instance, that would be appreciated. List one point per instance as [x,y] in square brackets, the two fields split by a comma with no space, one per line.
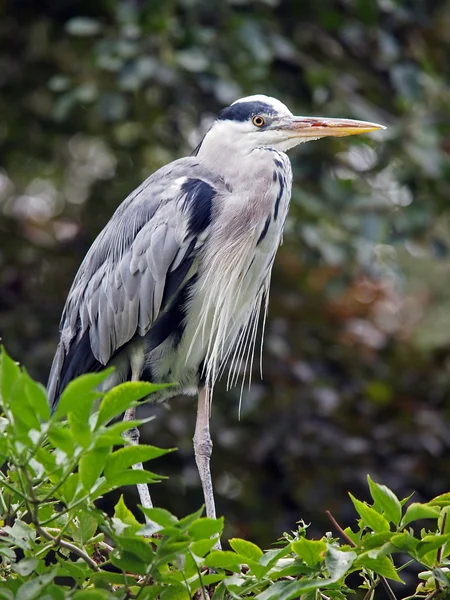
[203,449]
[132,436]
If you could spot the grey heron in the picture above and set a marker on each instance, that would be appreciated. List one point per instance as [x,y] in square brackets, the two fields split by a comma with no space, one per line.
[173,288]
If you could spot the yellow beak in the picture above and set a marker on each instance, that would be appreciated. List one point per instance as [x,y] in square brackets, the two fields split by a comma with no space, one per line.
[315,127]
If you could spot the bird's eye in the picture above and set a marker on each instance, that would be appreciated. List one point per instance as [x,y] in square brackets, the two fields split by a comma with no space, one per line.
[258,121]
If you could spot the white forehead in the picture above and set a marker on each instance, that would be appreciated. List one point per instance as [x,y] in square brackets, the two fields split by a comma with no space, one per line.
[273,102]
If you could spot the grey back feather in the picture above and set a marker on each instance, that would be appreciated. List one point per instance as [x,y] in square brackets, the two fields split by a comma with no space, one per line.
[120,287]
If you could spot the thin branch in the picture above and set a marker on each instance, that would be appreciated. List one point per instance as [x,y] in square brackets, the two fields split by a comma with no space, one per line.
[339,529]
[67,546]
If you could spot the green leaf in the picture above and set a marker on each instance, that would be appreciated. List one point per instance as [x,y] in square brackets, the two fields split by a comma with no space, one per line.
[131,477]
[61,438]
[370,517]
[135,545]
[87,526]
[80,429]
[404,541]
[105,579]
[338,562]
[246,549]
[112,435]
[205,528]
[442,501]
[429,543]
[290,590]
[130,455]
[161,516]
[91,466]
[416,511]
[311,551]
[223,559]
[186,521]
[202,547]
[386,500]
[26,566]
[21,534]
[34,588]
[382,565]
[371,540]
[124,396]
[122,512]
[37,397]
[128,562]
[9,376]
[77,570]
[78,397]
[92,594]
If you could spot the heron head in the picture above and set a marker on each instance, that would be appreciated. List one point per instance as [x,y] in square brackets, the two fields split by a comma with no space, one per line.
[259,120]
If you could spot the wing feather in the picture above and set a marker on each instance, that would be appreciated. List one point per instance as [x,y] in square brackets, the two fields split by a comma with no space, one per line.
[133,269]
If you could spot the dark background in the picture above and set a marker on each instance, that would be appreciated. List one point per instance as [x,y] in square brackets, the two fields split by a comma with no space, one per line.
[94,96]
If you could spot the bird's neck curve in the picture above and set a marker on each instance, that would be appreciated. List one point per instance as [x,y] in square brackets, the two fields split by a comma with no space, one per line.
[237,165]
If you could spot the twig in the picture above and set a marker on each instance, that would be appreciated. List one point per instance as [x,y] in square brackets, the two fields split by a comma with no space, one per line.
[339,529]
[67,546]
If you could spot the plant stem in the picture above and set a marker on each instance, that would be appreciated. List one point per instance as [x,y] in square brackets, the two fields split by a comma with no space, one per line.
[383,580]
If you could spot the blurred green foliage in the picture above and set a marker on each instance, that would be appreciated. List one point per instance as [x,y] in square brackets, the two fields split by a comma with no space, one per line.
[96,95]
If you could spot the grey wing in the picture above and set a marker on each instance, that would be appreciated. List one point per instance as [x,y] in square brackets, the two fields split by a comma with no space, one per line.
[134,269]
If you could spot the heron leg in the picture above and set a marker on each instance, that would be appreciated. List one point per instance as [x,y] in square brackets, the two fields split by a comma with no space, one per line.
[203,450]
[132,436]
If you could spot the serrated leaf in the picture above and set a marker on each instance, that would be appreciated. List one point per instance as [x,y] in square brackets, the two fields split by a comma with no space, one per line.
[124,396]
[375,540]
[310,551]
[429,543]
[386,500]
[338,562]
[246,549]
[370,517]
[91,466]
[404,541]
[186,521]
[441,501]
[205,528]
[382,565]
[130,455]
[416,511]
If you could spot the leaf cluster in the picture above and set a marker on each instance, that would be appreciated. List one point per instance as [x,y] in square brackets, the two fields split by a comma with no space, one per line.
[56,544]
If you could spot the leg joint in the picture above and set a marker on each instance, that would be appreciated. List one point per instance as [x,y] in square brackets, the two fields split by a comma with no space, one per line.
[203,444]
[132,435]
